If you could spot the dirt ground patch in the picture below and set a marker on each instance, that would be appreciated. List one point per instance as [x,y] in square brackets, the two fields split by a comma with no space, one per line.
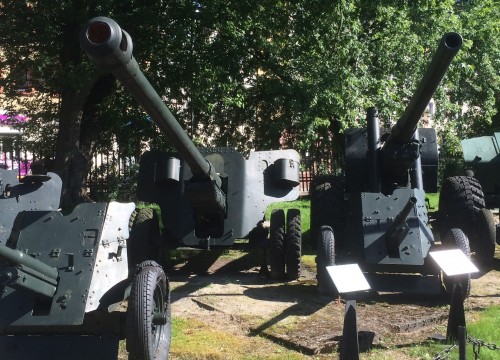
[227,294]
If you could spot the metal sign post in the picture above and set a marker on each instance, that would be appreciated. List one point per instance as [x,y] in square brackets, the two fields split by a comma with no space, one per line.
[455,264]
[349,278]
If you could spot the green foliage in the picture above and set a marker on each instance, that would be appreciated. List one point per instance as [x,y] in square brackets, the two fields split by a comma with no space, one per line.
[110,185]
[242,73]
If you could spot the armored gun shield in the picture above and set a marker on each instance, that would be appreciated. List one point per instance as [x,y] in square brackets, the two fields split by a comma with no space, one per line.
[249,184]
[63,279]
[30,193]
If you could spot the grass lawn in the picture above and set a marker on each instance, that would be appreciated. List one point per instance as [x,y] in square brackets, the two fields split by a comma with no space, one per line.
[483,325]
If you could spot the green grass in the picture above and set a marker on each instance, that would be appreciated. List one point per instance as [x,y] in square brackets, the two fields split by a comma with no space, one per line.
[486,328]
[193,340]
[433,199]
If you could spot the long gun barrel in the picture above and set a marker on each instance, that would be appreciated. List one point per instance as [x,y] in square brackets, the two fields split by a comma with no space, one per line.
[110,49]
[403,130]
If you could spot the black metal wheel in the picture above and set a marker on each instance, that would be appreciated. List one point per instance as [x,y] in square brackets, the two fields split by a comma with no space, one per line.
[144,236]
[148,315]
[456,239]
[325,257]
[293,241]
[277,239]
[484,237]
[327,206]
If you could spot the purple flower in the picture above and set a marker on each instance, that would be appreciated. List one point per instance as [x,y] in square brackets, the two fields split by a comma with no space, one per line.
[18,119]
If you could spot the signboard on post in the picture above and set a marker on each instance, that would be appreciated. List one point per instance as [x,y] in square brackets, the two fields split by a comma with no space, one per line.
[453,262]
[348,278]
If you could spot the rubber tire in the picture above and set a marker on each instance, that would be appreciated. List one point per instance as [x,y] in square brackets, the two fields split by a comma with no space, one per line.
[456,239]
[277,239]
[293,241]
[484,237]
[328,206]
[460,200]
[150,291]
[325,257]
[144,236]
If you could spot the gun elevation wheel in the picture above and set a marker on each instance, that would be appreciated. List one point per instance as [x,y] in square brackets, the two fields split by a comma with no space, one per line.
[455,238]
[325,257]
[293,243]
[148,314]
[277,237]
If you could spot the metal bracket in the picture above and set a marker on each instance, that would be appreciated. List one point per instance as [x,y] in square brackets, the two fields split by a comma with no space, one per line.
[55,253]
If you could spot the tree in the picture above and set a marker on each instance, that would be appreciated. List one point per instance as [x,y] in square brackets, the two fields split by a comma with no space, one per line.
[40,42]
[243,73]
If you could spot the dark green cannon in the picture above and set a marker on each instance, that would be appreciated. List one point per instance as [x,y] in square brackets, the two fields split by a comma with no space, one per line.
[64,280]
[208,197]
[72,286]
[376,214]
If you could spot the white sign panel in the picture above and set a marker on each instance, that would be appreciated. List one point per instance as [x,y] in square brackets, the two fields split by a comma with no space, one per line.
[348,278]
[453,262]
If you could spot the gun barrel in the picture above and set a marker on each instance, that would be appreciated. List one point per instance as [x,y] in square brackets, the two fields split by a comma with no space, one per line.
[16,257]
[401,217]
[110,49]
[403,130]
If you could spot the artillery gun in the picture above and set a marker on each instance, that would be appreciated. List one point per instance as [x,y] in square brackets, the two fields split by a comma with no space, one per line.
[63,279]
[208,197]
[376,213]
[467,199]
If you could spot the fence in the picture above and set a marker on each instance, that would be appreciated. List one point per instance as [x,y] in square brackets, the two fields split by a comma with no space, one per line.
[114,176]
[13,154]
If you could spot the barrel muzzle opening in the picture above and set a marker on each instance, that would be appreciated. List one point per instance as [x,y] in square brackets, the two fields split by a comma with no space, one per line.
[453,41]
[98,32]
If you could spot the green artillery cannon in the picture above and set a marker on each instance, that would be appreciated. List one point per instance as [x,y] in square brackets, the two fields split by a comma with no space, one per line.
[208,197]
[376,214]
[63,280]
[467,199]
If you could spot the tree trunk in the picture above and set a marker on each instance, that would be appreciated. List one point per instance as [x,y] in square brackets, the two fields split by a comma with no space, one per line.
[70,162]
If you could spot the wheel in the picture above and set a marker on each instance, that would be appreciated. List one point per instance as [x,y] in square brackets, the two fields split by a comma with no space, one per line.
[277,237]
[460,201]
[325,257]
[484,237]
[327,206]
[293,241]
[148,315]
[455,238]
[144,236]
